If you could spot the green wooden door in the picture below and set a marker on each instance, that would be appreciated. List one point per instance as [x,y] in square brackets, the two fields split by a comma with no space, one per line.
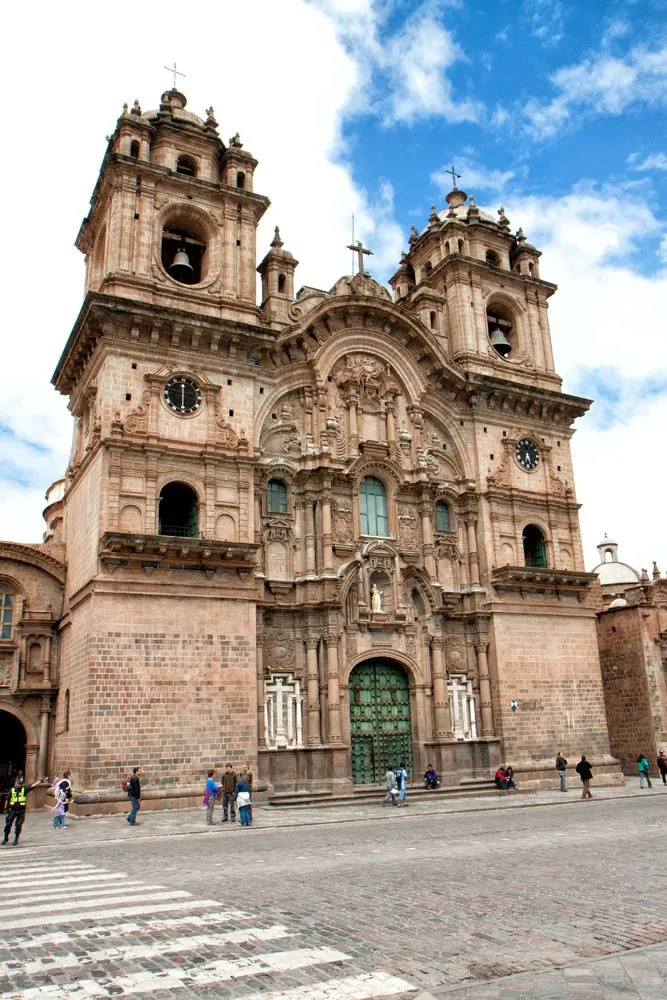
[379,720]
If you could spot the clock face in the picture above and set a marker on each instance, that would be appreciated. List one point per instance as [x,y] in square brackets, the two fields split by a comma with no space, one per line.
[182,395]
[527,454]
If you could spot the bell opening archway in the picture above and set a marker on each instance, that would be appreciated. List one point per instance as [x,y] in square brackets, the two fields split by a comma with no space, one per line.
[380,720]
[13,742]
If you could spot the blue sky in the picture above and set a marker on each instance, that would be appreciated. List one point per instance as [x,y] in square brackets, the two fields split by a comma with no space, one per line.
[555,110]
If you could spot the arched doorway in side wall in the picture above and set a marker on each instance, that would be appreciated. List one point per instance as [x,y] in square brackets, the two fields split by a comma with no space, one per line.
[380,724]
[12,749]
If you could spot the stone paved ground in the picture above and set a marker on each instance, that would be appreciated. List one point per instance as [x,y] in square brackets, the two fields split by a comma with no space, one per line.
[505,900]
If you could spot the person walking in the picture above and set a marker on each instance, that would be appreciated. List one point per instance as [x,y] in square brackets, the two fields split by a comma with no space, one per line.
[584,771]
[64,784]
[210,795]
[16,807]
[134,795]
[402,782]
[242,795]
[643,769]
[229,794]
[561,767]
[249,778]
[392,787]
[662,766]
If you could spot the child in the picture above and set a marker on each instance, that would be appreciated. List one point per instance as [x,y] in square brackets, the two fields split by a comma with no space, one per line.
[61,802]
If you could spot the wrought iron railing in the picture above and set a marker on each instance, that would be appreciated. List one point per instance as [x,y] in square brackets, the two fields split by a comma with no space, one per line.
[178,530]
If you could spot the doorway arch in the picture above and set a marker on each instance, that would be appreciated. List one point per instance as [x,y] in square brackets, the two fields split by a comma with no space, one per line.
[380,720]
[13,741]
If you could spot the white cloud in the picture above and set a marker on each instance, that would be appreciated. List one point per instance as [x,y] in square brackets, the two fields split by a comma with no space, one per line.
[547,19]
[474,177]
[656,161]
[601,84]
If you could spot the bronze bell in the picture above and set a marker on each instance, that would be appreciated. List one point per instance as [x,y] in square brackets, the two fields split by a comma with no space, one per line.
[500,342]
[181,268]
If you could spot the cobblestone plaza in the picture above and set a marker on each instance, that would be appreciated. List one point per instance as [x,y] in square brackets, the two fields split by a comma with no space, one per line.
[474,899]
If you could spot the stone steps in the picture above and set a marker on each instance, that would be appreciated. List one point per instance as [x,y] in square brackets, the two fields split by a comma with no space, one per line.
[373,793]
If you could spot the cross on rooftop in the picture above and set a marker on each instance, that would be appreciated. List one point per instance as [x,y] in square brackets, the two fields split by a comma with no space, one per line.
[455,177]
[176,72]
[360,250]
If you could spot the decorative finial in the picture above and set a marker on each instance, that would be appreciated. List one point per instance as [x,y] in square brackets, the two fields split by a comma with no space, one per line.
[360,250]
[473,211]
[210,118]
[235,140]
[433,218]
[414,235]
[125,108]
[520,238]
[175,72]
[503,221]
[656,572]
[276,241]
[136,108]
[455,177]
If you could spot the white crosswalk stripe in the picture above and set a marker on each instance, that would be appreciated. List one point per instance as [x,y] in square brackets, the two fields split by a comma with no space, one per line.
[123,923]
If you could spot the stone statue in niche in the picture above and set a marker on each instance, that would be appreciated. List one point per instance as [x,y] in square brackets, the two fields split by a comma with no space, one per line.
[376,599]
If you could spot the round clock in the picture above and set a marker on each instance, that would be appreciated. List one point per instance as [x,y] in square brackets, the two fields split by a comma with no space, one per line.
[182,394]
[527,454]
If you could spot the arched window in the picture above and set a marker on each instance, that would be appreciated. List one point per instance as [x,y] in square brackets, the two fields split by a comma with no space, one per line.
[433,319]
[276,493]
[179,513]
[534,548]
[135,149]
[501,328]
[441,516]
[492,258]
[184,256]
[447,247]
[240,179]
[186,165]
[428,267]
[373,507]
[460,246]
[282,281]
[6,611]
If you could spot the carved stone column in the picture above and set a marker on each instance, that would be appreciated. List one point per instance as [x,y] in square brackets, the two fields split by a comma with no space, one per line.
[442,711]
[427,536]
[390,419]
[259,663]
[333,688]
[481,646]
[313,675]
[473,560]
[327,537]
[309,518]
[352,401]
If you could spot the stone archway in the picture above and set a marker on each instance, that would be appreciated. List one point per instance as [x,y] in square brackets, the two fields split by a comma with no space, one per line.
[13,741]
[380,722]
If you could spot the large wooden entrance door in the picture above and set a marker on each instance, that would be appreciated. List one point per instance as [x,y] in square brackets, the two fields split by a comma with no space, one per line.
[380,727]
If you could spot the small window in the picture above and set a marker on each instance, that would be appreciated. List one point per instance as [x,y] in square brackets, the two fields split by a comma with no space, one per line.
[447,250]
[433,319]
[373,507]
[277,496]
[135,149]
[6,611]
[493,258]
[66,712]
[179,514]
[186,165]
[240,179]
[184,255]
[282,282]
[460,246]
[531,268]
[428,267]
[534,548]
[441,516]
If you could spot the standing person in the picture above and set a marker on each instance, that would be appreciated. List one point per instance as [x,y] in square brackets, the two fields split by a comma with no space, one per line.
[248,778]
[228,793]
[392,787]
[64,784]
[402,782]
[561,767]
[584,771]
[59,809]
[16,807]
[134,795]
[642,768]
[243,799]
[662,766]
[210,795]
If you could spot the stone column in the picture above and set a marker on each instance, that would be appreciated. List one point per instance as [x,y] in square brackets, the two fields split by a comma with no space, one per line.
[473,560]
[259,661]
[442,712]
[313,674]
[353,430]
[43,756]
[309,517]
[427,537]
[327,537]
[390,419]
[481,646]
[333,688]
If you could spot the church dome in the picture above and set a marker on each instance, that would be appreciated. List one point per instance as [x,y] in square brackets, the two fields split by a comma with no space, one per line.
[611,572]
[176,101]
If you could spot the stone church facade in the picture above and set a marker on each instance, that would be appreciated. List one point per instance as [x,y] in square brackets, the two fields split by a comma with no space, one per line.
[323,534]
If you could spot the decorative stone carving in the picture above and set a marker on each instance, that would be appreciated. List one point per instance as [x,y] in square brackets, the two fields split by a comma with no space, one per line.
[137,421]
[343,530]
[408,529]
[227,436]
[280,647]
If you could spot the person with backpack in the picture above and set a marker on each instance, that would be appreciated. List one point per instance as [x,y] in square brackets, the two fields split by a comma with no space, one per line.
[643,770]
[402,782]
[585,772]
[133,786]
[662,766]
[210,795]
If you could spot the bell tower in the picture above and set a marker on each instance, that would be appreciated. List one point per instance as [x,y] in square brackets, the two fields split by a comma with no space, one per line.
[173,217]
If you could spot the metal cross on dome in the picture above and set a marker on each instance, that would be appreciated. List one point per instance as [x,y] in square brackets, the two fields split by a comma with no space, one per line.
[455,177]
[360,250]
[176,72]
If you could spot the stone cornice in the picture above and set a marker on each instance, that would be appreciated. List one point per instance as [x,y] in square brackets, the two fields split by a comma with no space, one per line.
[529,579]
[118,548]
[488,394]
[34,556]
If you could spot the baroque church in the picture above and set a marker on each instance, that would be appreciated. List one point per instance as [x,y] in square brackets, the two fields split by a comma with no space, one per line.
[324,534]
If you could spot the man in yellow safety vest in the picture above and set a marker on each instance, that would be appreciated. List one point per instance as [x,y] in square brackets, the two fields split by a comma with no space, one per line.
[16,807]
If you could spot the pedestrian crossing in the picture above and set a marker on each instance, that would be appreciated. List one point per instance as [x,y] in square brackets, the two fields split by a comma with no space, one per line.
[80,931]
